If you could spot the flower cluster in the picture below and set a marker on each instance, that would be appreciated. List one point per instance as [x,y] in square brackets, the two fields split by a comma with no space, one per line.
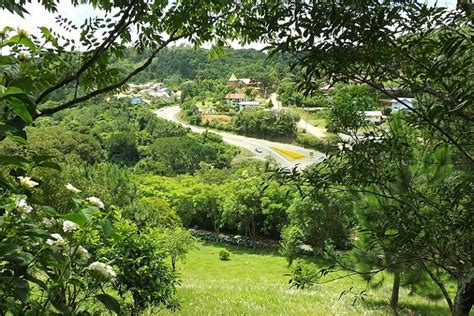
[95,201]
[49,222]
[23,208]
[69,226]
[22,32]
[82,253]
[72,188]
[57,241]
[102,270]
[26,182]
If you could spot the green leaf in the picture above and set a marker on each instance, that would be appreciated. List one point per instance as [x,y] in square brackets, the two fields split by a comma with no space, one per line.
[28,43]
[10,91]
[41,158]
[13,160]
[49,210]
[109,302]
[6,249]
[25,83]
[50,164]
[17,139]
[77,218]
[21,110]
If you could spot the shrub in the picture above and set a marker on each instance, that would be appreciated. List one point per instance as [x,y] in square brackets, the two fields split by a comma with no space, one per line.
[326,145]
[292,239]
[224,255]
[143,272]
[303,275]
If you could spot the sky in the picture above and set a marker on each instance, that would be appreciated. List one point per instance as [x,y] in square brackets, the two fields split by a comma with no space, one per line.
[40,17]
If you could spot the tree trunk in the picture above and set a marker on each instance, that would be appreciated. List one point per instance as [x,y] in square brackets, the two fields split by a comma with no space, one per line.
[440,284]
[253,229]
[464,297]
[173,263]
[395,291]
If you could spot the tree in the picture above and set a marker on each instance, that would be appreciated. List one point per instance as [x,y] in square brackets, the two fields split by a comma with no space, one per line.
[176,242]
[122,149]
[244,204]
[347,106]
[428,52]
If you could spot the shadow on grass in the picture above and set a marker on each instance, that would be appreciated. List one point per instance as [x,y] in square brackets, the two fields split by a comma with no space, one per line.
[240,250]
[408,308]
[274,252]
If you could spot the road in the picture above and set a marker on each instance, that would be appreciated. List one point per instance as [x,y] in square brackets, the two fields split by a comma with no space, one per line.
[316,131]
[259,147]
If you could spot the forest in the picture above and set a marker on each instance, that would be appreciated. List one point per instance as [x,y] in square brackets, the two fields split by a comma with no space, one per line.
[288,183]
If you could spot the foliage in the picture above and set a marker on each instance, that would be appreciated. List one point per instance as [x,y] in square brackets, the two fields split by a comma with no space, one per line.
[326,145]
[224,255]
[289,95]
[347,103]
[176,242]
[152,211]
[303,275]
[265,123]
[143,271]
[122,149]
[292,238]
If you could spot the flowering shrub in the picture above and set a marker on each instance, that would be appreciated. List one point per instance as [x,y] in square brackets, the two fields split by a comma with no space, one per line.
[61,262]
[87,255]
[43,252]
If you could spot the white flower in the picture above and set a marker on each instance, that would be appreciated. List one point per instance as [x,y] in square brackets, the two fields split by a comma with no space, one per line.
[82,252]
[26,182]
[69,226]
[102,270]
[72,188]
[95,201]
[23,208]
[22,32]
[57,240]
[49,222]
[24,56]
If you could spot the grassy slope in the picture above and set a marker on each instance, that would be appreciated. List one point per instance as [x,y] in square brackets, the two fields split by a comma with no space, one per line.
[253,283]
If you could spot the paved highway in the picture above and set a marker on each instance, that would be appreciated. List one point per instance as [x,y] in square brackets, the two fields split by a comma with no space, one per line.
[259,147]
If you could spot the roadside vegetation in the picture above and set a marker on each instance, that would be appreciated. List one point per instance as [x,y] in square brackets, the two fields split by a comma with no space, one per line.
[105,208]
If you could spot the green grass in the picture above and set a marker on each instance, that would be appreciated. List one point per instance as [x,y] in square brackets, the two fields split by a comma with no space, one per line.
[254,283]
[315,118]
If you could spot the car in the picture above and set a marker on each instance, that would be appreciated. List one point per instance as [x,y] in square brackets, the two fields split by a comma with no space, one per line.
[258,150]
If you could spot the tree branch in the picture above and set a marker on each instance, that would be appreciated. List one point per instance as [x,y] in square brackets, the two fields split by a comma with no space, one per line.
[50,111]
[418,113]
[95,55]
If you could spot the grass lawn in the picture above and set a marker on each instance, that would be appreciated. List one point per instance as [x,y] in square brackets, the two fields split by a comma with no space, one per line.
[315,118]
[253,283]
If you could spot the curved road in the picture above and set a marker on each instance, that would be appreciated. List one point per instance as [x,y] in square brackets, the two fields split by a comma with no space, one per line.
[259,147]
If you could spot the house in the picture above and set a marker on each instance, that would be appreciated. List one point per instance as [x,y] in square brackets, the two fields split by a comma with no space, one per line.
[400,104]
[374,116]
[235,82]
[235,98]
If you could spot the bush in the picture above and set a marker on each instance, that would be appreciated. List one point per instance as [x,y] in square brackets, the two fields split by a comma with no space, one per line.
[292,239]
[303,275]
[143,274]
[224,255]
[326,145]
